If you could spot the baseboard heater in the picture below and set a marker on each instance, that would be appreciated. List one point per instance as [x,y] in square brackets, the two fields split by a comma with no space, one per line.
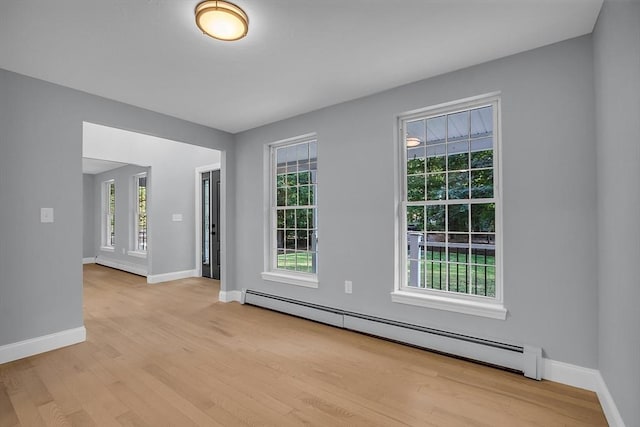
[526,359]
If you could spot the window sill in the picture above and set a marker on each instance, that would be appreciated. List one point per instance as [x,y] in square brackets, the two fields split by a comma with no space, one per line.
[137,254]
[107,248]
[475,308]
[308,281]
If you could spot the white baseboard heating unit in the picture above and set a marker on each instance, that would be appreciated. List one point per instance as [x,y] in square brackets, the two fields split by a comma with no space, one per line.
[525,359]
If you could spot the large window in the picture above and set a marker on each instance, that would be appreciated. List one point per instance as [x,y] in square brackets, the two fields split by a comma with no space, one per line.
[450,201]
[109,214]
[293,249]
[140,215]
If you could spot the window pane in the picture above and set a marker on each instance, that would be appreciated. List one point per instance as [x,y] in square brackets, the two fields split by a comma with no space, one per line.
[292,196]
[313,194]
[458,155]
[436,130]
[304,177]
[458,126]
[483,280]
[458,277]
[290,239]
[415,160]
[281,197]
[436,158]
[303,195]
[292,179]
[301,218]
[435,217]
[290,218]
[281,259]
[458,218]
[436,186]
[281,180]
[482,183]
[415,188]
[281,158]
[302,153]
[436,246]
[313,151]
[481,122]
[458,161]
[458,185]
[280,239]
[483,249]
[280,218]
[415,218]
[311,219]
[458,247]
[416,129]
[436,275]
[481,159]
[483,218]
[302,243]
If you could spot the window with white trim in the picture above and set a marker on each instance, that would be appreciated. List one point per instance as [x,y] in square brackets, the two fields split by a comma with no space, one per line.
[109,214]
[140,213]
[293,249]
[450,206]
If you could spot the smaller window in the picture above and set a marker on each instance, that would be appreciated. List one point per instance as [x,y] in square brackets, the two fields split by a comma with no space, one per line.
[292,253]
[109,214]
[140,216]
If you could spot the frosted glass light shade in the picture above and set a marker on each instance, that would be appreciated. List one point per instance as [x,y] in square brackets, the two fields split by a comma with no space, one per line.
[222,20]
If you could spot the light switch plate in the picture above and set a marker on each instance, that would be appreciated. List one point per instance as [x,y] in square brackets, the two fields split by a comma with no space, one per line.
[46,215]
[176,217]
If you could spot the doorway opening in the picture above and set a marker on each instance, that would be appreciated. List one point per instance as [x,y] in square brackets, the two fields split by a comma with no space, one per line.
[173,250]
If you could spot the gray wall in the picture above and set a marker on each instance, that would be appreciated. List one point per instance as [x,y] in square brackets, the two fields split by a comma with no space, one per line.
[549,200]
[41,130]
[88,212]
[123,178]
[617,83]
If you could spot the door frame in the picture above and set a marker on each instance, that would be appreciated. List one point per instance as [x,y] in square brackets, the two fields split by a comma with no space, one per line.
[223,220]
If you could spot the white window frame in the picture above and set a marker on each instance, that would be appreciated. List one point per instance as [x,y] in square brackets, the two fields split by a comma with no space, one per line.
[442,299]
[136,251]
[107,215]
[271,273]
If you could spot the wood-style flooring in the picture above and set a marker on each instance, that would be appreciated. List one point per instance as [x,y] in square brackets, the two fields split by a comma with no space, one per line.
[171,355]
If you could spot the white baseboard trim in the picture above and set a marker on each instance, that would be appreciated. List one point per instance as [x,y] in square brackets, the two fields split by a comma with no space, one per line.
[586,378]
[174,275]
[569,374]
[122,265]
[32,346]
[228,296]
[89,260]
[608,404]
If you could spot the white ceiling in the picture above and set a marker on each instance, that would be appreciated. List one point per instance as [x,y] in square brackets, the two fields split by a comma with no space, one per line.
[299,55]
[96,166]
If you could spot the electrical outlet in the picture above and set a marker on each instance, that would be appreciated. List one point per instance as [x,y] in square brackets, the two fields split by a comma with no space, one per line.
[348,286]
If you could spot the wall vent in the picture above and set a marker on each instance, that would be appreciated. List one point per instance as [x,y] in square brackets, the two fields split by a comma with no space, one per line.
[526,359]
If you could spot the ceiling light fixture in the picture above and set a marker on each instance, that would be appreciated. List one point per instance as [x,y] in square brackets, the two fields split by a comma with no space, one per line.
[412,141]
[222,20]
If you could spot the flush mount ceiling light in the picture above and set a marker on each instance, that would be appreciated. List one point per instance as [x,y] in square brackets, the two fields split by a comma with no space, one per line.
[412,141]
[222,20]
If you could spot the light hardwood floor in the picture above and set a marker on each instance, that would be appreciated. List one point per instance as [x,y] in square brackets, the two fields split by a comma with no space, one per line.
[171,354]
